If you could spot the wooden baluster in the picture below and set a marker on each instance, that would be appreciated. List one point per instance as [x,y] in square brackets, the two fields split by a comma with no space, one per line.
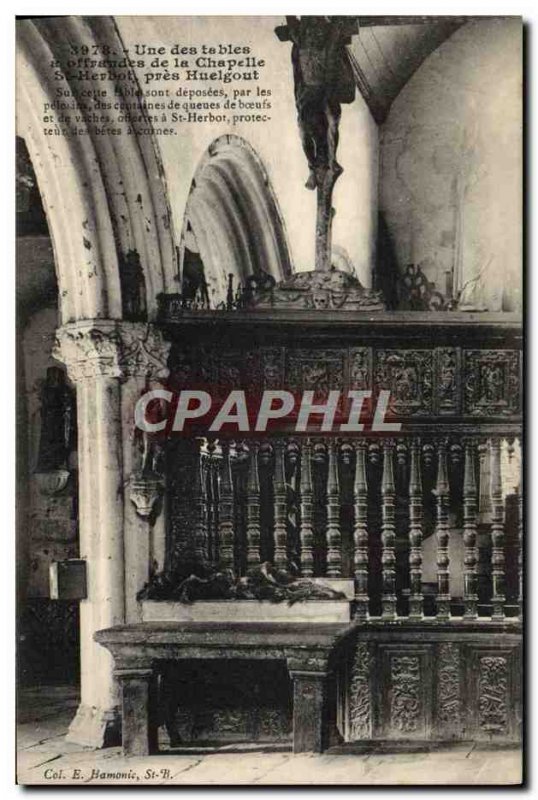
[211,502]
[307,496]
[442,531]
[484,493]
[360,532]
[253,509]
[279,489]
[470,511]
[293,480]
[200,504]
[497,532]
[215,478]
[416,599]
[334,537]
[388,534]
[226,511]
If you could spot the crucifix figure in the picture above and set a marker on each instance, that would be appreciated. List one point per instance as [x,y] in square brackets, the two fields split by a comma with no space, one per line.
[323,80]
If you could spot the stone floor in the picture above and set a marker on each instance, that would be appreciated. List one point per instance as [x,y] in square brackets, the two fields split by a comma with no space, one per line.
[44,757]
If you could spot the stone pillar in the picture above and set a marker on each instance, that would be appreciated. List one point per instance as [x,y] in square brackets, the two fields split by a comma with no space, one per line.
[106,360]
[310,719]
[138,711]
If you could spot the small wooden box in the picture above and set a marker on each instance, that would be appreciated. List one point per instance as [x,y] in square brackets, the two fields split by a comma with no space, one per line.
[68,579]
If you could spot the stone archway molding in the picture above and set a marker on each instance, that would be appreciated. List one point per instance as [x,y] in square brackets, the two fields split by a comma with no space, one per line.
[104,196]
[235,217]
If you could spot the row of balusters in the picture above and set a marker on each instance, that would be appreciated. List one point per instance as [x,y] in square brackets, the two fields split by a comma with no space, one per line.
[223,504]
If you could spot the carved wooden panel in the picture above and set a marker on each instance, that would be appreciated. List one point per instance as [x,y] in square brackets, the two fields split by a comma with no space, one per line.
[405,691]
[229,368]
[360,693]
[448,380]
[360,368]
[448,690]
[408,375]
[272,367]
[443,381]
[492,382]
[226,700]
[320,370]
[181,463]
[493,700]
[184,365]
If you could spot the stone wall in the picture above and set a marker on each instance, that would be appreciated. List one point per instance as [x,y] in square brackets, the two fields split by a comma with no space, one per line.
[451,165]
[51,518]
[47,528]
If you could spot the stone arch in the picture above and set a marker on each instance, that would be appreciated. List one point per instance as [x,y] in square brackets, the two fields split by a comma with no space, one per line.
[233,214]
[104,196]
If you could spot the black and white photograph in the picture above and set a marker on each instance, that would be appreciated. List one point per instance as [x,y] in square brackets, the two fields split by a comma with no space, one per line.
[270,515]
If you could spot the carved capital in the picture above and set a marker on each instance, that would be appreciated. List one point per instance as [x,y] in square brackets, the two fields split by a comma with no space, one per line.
[110,348]
[144,493]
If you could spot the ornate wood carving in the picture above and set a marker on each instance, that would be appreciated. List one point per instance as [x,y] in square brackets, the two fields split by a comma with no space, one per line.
[493,716]
[360,697]
[431,386]
[360,368]
[422,382]
[448,380]
[318,289]
[442,532]
[405,693]
[253,509]
[200,505]
[497,532]
[448,689]
[319,370]
[334,538]
[417,293]
[226,511]
[360,532]
[408,375]
[416,600]
[492,382]
[306,530]
[228,368]
[388,534]
[272,359]
[280,505]
[182,458]
[470,508]
[212,484]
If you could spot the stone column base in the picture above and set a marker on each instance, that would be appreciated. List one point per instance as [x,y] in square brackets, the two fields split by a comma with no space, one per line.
[95,727]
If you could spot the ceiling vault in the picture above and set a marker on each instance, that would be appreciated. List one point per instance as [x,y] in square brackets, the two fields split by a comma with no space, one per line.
[388,51]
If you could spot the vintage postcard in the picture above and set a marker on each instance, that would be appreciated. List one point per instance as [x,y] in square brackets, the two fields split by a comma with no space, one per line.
[269,363]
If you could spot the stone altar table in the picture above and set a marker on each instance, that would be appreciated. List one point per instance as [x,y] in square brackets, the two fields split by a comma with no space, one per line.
[138,648]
